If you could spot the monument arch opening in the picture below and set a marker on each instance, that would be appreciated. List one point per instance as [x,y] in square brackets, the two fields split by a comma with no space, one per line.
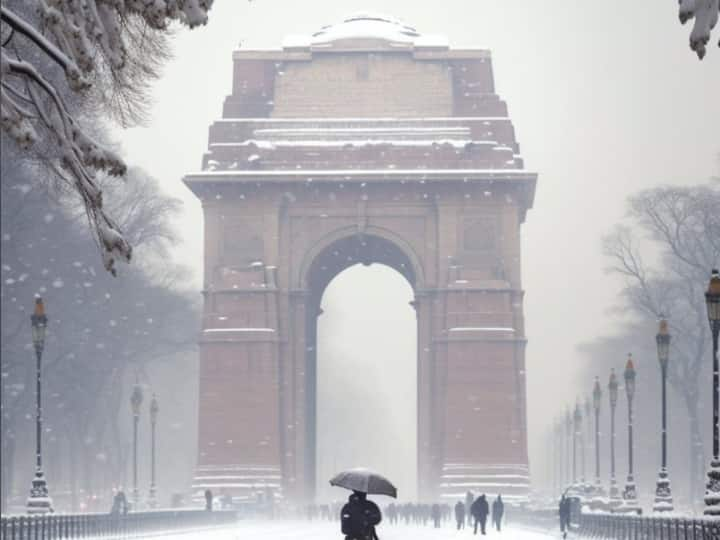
[419,170]
[367,378]
[330,258]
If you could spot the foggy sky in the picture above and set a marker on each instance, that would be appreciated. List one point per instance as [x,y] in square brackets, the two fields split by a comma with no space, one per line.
[606,99]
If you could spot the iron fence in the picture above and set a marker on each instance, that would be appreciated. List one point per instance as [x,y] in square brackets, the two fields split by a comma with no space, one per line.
[624,527]
[111,526]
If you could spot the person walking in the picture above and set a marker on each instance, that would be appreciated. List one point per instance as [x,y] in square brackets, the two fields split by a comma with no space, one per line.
[359,517]
[469,498]
[435,511]
[564,512]
[208,500]
[460,515]
[480,510]
[498,509]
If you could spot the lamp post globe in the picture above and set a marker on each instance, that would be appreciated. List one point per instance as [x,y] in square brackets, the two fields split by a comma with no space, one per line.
[135,402]
[712,488]
[663,494]
[630,491]
[39,501]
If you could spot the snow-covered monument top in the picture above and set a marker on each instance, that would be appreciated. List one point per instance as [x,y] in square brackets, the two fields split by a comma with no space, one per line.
[366,32]
[364,142]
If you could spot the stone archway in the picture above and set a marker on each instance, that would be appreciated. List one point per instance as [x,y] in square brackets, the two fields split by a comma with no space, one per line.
[429,181]
[327,263]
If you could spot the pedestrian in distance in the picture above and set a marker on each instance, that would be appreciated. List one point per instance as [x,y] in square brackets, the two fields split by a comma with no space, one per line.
[498,509]
[120,505]
[208,500]
[480,510]
[435,511]
[564,513]
[460,515]
[359,517]
[469,498]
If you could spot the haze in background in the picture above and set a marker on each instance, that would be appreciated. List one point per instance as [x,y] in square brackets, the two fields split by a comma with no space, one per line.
[367,379]
[606,99]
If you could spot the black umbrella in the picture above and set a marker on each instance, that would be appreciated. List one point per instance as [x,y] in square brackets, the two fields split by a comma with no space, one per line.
[364,480]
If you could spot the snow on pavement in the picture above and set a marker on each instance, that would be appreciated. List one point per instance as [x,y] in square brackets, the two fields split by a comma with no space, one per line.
[324,530]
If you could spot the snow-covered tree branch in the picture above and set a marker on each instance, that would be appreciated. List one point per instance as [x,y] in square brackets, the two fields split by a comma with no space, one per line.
[105,51]
[705,13]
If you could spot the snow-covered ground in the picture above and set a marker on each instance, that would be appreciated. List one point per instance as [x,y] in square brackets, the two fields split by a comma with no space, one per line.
[324,530]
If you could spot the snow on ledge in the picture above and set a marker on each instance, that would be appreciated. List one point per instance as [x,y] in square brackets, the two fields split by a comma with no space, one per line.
[481,329]
[360,172]
[239,330]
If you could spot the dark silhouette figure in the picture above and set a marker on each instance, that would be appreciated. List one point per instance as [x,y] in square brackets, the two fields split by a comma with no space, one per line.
[120,504]
[498,509]
[564,512]
[208,500]
[359,517]
[435,511]
[480,510]
[460,515]
[469,498]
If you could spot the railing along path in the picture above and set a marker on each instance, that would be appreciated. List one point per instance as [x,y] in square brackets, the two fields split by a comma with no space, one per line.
[111,526]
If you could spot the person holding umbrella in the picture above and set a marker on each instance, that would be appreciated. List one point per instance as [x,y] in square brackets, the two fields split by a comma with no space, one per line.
[359,516]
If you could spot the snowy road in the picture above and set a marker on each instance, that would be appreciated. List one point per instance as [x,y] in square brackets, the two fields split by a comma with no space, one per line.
[323,530]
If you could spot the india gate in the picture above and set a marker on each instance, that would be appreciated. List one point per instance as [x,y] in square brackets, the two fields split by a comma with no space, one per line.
[366,142]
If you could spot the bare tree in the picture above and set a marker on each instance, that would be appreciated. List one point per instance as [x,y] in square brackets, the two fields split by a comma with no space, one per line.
[100,327]
[679,229]
[103,52]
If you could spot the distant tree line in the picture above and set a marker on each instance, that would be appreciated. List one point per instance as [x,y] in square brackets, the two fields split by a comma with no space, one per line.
[100,330]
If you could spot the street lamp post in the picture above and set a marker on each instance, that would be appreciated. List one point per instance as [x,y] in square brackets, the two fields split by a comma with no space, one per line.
[39,501]
[577,423]
[154,409]
[597,396]
[630,492]
[712,488]
[588,413]
[663,494]
[613,394]
[135,402]
[570,448]
[557,445]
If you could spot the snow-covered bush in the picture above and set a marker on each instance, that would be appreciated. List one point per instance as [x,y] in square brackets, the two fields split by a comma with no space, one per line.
[705,13]
[104,51]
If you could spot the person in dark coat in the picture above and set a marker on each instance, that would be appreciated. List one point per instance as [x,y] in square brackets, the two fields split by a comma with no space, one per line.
[208,500]
[469,498]
[564,512]
[498,509]
[480,510]
[120,505]
[460,515]
[435,511]
[359,517]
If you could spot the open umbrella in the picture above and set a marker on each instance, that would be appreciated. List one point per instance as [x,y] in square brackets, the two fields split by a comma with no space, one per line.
[364,480]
